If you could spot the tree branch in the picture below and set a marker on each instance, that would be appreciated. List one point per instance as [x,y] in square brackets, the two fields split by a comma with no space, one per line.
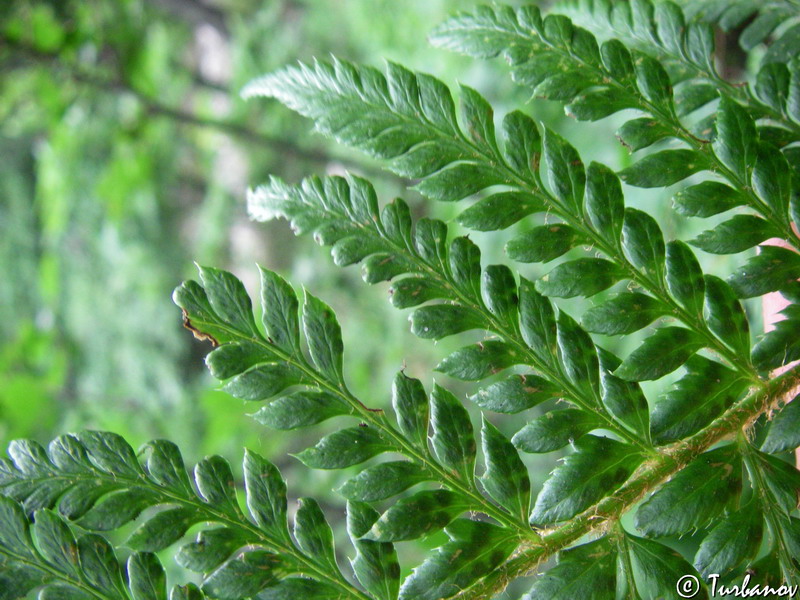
[194,13]
[155,107]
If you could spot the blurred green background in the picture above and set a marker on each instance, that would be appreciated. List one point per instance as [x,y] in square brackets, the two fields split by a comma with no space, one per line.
[126,153]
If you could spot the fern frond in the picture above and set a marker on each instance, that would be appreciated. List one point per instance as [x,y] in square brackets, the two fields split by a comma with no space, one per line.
[95,480]
[256,365]
[577,196]
[43,553]
[533,172]
[344,214]
[600,478]
[450,459]
[381,241]
[700,460]
[609,78]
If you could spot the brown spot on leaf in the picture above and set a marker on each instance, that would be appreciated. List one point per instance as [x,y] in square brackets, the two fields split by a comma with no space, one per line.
[198,335]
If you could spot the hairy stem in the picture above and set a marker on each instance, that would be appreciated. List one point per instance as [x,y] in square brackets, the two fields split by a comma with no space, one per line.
[158,108]
[671,459]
